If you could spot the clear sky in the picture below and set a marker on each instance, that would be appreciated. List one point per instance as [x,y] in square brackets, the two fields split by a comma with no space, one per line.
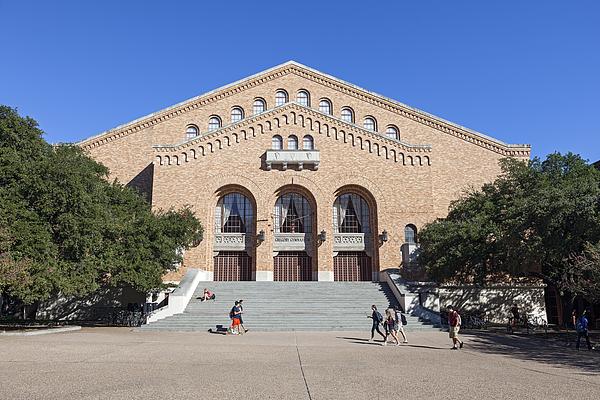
[520,71]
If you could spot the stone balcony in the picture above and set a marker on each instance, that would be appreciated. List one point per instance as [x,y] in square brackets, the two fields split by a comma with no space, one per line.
[232,241]
[349,242]
[291,241]
[293,158]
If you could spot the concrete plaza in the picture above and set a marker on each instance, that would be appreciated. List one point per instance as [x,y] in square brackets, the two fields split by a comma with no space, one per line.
[117,363]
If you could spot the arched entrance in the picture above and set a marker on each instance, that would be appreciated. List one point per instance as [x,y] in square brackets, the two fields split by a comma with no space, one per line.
[293,240]
[354,238]
[235,229]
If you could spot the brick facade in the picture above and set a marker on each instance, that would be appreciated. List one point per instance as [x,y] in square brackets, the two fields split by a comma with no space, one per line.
[406,181]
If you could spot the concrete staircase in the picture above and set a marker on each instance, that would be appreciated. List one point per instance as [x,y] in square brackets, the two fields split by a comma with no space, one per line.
[286,306]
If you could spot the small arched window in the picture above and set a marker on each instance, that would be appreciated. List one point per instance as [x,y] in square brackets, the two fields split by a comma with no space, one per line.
[308,143]
[292,142]
[277,142]
[281,97]
[214,123]
[347,115]
[325,106]
[410,234]
[237,114]
[303,98]
[392,132]
[191,132]
[258,107]
[369,124]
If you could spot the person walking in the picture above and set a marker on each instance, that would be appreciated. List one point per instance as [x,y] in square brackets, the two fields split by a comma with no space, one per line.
[454,322]
[400,322]
[582,330]
[241,307]
[234,314]
[516,315]
[377,319]
[391,326]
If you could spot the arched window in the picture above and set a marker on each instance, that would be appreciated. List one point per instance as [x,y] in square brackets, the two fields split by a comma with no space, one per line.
[370,124]
[281,97]
[347,115]
[410,234]
[392,132]
[258,106]
[237,114]
[325,106]
[191,132]
[234,214]
[308,143]
[293,214]
[214,123]
[303,98]
[351,214]
[277,143]
[292,142]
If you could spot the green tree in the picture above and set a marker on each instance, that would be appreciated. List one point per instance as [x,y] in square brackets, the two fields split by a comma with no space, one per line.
[66,229]
[536,219]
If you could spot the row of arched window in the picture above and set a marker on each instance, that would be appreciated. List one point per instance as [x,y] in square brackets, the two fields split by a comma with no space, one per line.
[293,214]
[308,142]
[303,98]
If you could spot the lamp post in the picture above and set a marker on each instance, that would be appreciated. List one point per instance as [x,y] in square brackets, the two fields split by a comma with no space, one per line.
[260,237]
[383,237]
[322,236]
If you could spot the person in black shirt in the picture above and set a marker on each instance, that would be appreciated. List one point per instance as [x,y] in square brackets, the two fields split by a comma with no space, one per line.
[377,319]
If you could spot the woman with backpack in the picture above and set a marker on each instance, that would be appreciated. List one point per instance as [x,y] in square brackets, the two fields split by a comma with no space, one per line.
[377,319]
[391,326]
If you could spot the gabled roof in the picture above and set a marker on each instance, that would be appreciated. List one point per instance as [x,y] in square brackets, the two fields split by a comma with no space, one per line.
[296,68]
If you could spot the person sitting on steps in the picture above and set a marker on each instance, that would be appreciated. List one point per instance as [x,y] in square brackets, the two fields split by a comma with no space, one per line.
[207,295]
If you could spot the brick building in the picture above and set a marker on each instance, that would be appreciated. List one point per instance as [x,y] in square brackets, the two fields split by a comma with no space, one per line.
[297,175]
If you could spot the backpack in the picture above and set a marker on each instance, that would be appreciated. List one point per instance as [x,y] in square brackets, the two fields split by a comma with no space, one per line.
[580,326]
[403,319]
[378,316]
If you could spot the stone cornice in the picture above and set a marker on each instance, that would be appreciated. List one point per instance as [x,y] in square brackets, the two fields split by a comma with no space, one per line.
[320,78]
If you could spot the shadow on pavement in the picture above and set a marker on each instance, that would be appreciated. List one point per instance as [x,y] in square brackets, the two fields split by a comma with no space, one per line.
[420,346]
[378,342]
[535,349]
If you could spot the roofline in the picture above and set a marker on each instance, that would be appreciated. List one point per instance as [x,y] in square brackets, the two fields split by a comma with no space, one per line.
[181,103]
[314,71]
[396,102]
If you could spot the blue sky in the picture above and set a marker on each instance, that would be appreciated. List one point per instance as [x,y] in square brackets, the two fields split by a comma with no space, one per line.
[520,71]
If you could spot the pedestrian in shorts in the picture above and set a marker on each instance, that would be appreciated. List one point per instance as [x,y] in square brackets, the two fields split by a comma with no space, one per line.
[454,322]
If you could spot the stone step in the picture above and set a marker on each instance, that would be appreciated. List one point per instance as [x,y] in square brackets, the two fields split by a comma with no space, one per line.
[287,306]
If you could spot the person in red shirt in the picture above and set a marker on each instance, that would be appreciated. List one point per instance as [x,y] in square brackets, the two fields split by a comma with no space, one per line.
[454,322]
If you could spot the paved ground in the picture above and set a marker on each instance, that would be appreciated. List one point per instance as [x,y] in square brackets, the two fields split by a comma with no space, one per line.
[116,363]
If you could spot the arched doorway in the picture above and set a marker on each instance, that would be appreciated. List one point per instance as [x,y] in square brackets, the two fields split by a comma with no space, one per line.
[293,241]
[234,237]
[354,245]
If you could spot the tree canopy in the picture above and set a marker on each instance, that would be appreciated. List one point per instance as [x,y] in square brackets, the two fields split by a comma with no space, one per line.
[538,218]
[65,229]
